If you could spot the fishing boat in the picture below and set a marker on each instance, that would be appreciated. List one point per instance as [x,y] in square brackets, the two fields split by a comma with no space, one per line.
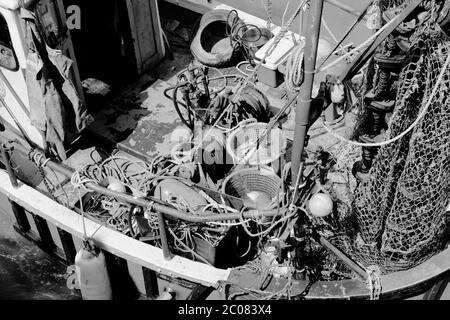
[211,150]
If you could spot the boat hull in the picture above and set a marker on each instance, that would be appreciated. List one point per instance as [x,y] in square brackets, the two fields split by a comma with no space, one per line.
[59,231]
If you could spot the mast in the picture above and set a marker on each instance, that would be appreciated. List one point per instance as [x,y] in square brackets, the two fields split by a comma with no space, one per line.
[312,33]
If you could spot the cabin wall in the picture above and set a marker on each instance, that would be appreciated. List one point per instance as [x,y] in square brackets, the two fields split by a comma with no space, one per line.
[17,81]
[146,33]
[119,40]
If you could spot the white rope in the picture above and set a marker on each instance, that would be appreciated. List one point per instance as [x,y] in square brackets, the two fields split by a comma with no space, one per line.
[374,282]
[284,13]
[268,8]
[78,183]
[411,127]
[294,69]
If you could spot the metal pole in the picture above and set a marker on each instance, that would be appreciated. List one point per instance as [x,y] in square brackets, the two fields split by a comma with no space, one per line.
[338,253]
[304,103]
[16,121]
[14,93]
[163,234]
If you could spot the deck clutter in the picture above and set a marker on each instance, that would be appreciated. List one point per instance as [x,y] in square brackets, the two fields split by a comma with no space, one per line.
[236,192]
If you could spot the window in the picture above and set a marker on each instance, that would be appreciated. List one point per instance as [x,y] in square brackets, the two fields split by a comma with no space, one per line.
[8,58]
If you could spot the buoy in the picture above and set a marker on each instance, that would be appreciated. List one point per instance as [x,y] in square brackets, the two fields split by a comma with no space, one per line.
[321,205]
[92,274]
[117,187]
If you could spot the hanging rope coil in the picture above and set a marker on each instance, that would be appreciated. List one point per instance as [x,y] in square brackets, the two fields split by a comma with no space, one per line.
[295,69]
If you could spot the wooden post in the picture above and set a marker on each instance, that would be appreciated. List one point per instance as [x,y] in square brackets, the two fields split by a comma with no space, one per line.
[68,246]
[151,283]
[46,240]
[163,235]
[21,217]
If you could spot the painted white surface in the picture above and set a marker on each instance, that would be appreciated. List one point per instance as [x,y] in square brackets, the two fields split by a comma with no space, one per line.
[9,4]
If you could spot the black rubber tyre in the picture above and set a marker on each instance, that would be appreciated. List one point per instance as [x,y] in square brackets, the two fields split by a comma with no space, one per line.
[200,54]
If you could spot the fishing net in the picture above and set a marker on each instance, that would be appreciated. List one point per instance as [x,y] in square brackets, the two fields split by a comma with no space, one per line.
[399,217]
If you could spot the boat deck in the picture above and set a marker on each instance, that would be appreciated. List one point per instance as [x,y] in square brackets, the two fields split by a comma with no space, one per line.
[138,122]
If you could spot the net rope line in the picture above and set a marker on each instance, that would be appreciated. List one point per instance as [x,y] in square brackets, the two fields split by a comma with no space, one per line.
[409,129]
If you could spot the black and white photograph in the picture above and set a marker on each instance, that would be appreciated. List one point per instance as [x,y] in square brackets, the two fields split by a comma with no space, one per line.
[237,156]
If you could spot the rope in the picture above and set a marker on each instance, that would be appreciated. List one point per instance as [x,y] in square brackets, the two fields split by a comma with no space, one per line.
[285,13]
[272,227]
[295,69]
[374,282]
[39,160]
[268,8]
[356,50]
[191,251]
[411,127]
[79,183]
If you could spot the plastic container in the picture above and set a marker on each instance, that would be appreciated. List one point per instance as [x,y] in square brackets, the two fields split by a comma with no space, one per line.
[269,72]
[231,251]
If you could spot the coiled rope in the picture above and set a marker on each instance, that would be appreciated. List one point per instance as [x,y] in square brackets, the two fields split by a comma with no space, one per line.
[295,69]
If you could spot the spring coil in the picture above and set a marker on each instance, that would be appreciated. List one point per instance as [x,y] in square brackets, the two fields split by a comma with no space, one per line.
[383,81]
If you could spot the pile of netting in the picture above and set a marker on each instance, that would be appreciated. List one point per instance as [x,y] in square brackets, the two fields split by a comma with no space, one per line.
[399,217]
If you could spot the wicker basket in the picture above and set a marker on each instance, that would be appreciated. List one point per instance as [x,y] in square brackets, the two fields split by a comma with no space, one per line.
[261,181]
[243,148]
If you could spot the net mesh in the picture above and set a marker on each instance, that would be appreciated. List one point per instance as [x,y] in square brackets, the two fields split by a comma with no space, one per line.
[399,217]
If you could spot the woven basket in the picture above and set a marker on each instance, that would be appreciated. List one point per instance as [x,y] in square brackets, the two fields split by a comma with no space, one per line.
[244,138]
[260,180]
